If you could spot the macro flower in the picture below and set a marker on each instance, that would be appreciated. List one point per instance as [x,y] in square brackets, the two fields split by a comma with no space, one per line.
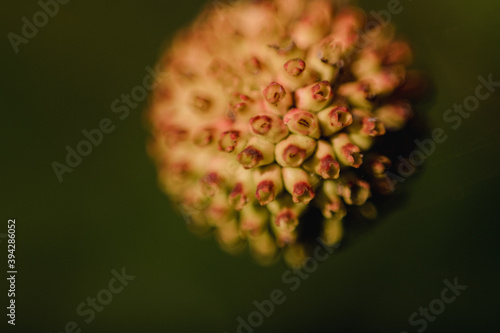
[273,109]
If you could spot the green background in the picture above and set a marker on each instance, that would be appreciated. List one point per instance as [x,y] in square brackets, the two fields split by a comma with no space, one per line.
[109,213]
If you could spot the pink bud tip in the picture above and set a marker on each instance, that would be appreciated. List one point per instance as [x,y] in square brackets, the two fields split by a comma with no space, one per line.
[329,168]
[261,124]
[211,183]
[301,122]
[367,91]
[237,197]
[250,157]
[353,154]
[295,67]
[253,66]
[203,137]
[332,207]
[340,117]
[357,192]
[286,217]
[372,127]
[274,93]
[240,102]
[265,192]
[228,141]
[303,193]
[294,156]
[322,91]
[379,165]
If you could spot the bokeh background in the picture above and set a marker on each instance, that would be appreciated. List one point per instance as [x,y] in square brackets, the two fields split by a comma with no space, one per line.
[109,213]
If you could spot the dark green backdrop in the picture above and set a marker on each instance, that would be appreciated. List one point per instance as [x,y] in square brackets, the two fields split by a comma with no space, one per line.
[108,213]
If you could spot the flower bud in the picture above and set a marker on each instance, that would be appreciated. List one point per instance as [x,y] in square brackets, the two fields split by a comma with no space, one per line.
[398,52]
[328,200]
[243,191]
[258,152]
[302,122]
[334,119]
[203,137]
[232,140]
[269,126]
[277,98]
[314,97]
[218,210]
[329,55]
[313,25]
[377,165]
[348,154]
[281,50]
[294,150]
[323,162]
[365,127]
[285,236]
[394,116]
[228,237]
[241,106]
[285,218]
[253,220]
[269,183]
[201,104]
[212,183]
[353,190]
[295,75]
[384,184]
[359,93]
[285,211]
[333,231]
[295,67]
[299,184]
[387,79]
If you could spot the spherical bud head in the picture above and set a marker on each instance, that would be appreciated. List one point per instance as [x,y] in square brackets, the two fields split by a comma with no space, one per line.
[273,111]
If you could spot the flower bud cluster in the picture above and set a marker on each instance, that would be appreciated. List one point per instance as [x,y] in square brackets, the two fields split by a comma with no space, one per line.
[271,108]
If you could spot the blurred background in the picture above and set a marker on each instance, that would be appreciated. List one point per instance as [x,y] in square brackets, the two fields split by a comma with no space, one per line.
[108,213]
